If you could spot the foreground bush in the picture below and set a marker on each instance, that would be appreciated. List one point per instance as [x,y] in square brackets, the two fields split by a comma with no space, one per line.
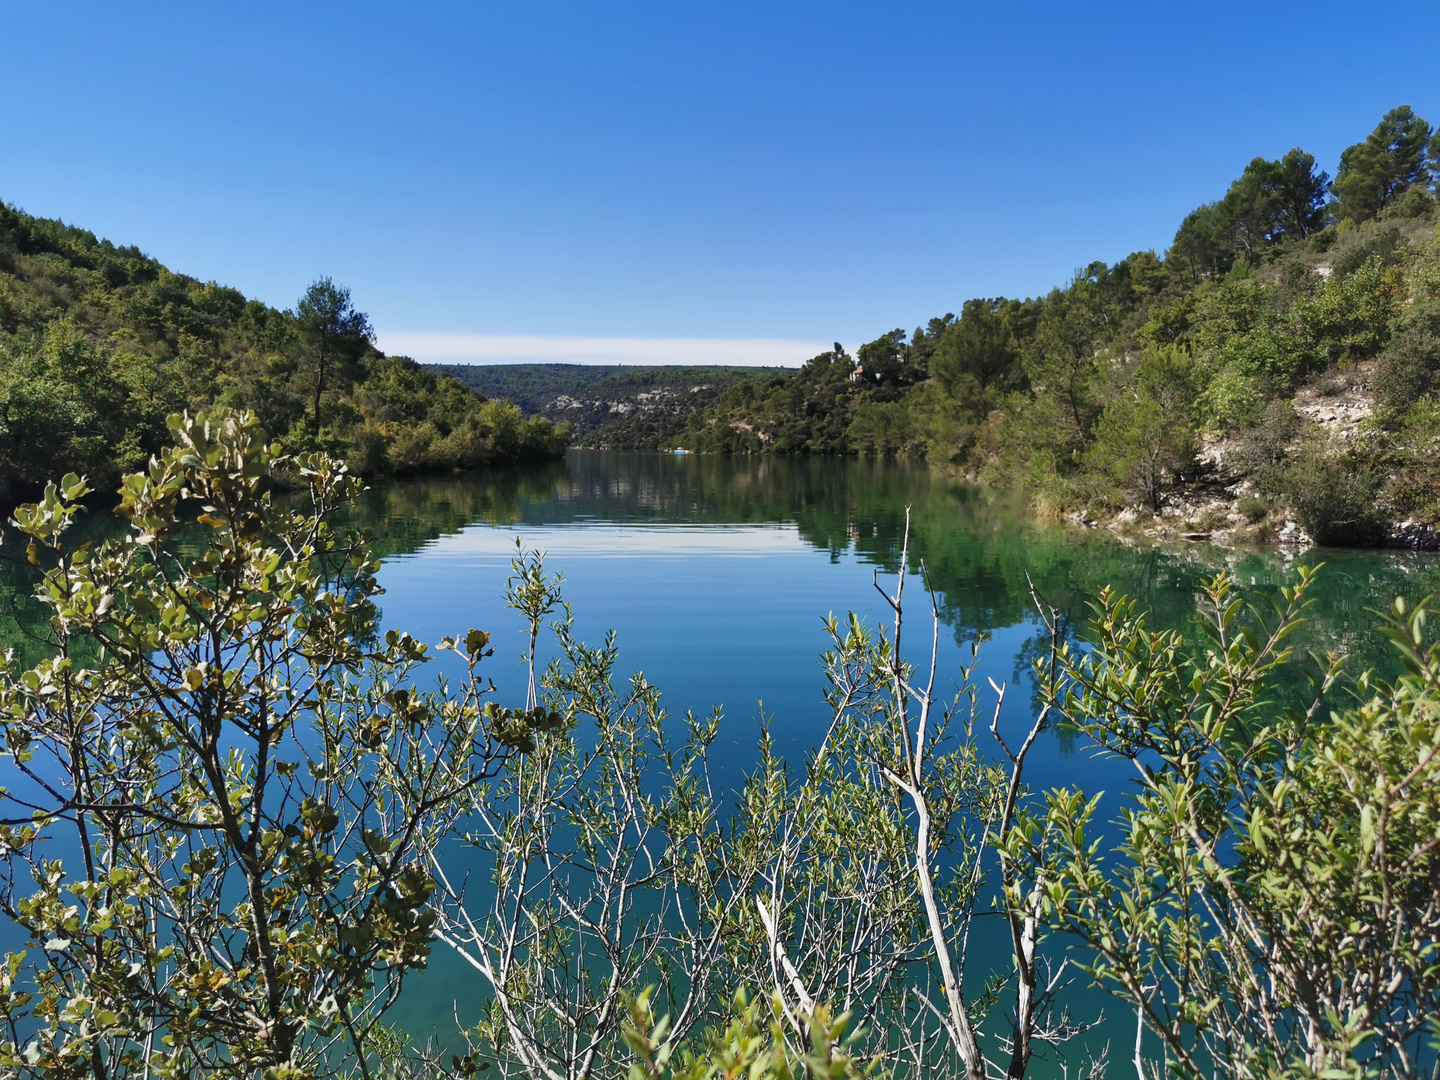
[230,816]
[231,822]
[1273,906]
[192,843]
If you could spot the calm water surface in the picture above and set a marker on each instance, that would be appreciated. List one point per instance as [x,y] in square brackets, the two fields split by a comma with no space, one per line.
[716,572]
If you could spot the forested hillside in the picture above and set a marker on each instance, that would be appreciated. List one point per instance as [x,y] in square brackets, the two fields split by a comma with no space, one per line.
[99,343]
[1280,360]
[640,407]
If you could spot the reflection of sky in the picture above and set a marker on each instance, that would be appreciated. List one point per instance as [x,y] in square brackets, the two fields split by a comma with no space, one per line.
[612,541]
[724,615]
[713,614]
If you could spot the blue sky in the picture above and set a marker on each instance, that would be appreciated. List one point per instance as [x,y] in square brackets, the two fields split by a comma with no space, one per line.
[659,180]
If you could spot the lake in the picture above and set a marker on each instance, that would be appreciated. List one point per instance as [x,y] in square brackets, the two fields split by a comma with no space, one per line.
[716,572]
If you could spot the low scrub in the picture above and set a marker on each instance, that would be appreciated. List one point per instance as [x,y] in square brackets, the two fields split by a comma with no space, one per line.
[1335,496]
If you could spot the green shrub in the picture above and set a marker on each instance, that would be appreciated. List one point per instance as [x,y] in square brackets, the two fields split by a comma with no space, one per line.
[1260,448]
[214,723]
[1349,317]
[1252,508]
[1386,245]
[1408,453]
[1145,439]
[1325,239]
[1409,367]
[1275,866]
[1415,203]
[1334,497]
[1234,398]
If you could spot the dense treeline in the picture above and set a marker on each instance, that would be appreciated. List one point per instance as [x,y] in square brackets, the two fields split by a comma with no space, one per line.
[1104,392]
[99,343]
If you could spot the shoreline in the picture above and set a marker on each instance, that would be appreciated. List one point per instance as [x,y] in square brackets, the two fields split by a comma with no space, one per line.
[1205,517]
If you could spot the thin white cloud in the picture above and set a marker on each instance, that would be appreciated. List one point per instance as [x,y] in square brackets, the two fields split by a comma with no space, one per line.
[546,349]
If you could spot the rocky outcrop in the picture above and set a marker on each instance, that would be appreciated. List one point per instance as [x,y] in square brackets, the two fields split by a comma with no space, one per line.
[1220,506]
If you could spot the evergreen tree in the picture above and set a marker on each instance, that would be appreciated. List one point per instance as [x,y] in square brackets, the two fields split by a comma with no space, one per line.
[338,335]
[1270,201]
[1391,159]
[1300,193]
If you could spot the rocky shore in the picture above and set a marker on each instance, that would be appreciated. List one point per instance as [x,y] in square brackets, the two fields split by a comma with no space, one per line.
[1219,508]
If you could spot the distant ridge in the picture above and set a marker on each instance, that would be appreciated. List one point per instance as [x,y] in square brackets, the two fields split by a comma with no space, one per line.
[614,405]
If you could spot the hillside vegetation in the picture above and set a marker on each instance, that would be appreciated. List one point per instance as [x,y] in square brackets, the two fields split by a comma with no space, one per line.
[638,407]
[1282,356]
[99,343]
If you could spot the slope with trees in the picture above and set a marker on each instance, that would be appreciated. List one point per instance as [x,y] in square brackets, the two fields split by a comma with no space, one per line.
[99,343]
[1213,374]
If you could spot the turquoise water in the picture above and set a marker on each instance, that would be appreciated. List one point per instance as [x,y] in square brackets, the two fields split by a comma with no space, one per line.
[716,572]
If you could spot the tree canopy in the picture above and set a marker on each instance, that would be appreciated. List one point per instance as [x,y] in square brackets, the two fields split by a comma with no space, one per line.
[336,335]
[1396,156]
